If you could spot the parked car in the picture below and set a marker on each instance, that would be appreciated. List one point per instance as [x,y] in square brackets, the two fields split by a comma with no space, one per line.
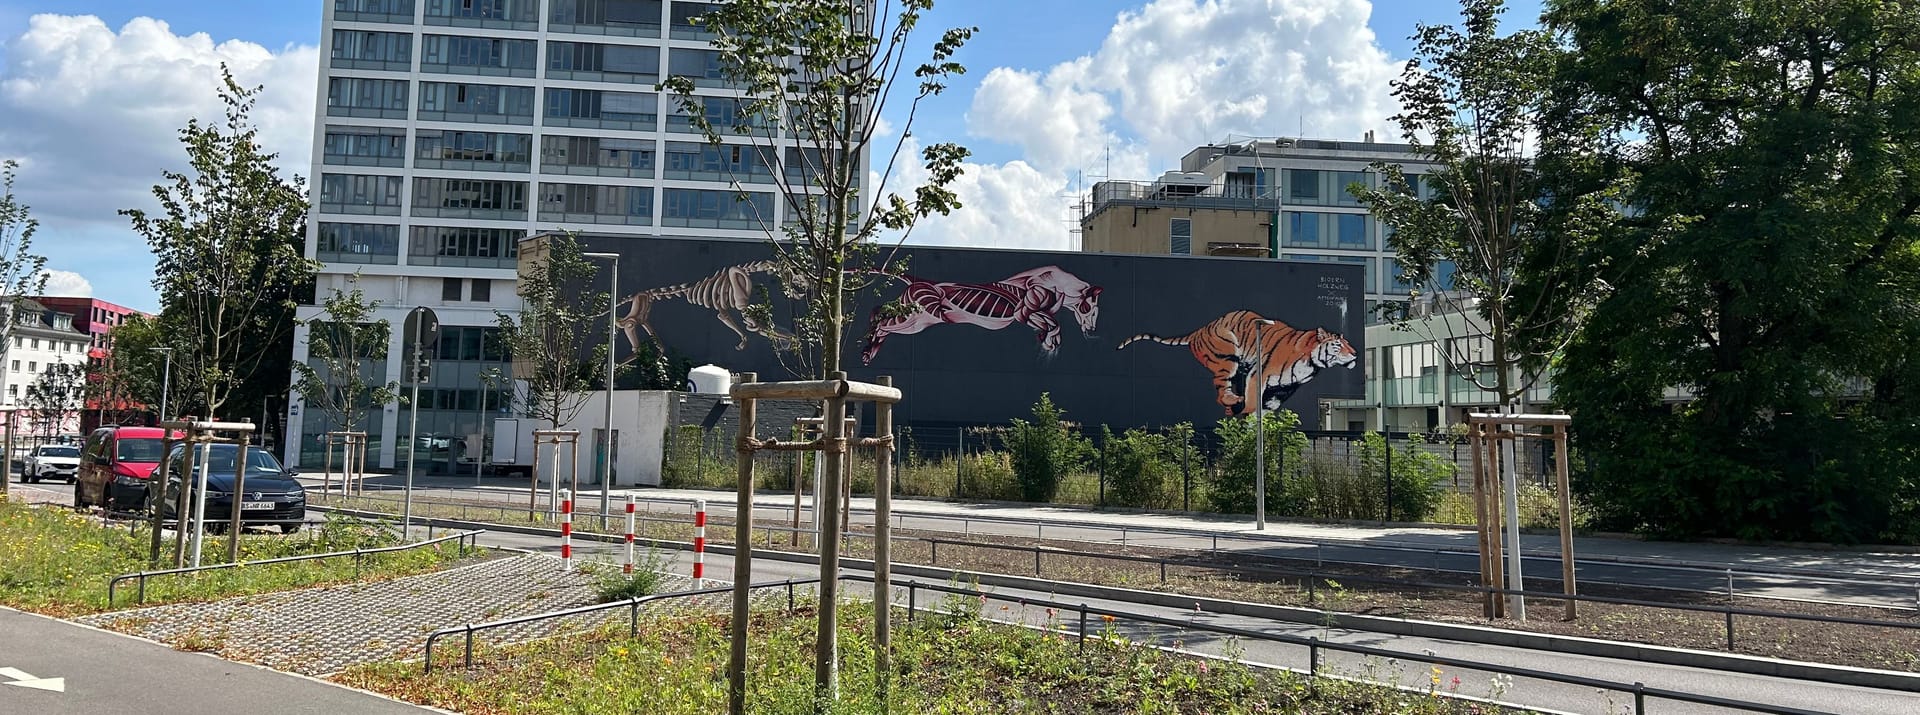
[114,467]
[271,498]
[52,462]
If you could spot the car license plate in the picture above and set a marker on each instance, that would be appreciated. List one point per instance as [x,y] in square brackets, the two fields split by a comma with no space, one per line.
[256,506]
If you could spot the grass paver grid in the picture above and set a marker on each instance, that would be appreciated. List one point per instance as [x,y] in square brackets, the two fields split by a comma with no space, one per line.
[323,630]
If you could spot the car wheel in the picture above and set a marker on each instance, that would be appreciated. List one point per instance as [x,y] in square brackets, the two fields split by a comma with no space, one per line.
[29,479]
[290,528]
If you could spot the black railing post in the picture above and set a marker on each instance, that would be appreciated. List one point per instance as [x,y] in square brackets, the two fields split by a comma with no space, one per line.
[959,458]
[1388,435]
[633,619]
[913,599]
[1103,472]
[469,663]
[1639,698]
[1083,628]
[1036,562]
[1186,477]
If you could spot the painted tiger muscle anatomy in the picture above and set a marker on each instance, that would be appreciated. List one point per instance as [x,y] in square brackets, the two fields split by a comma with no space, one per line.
[1288,357]
[728,292]
[1029,298]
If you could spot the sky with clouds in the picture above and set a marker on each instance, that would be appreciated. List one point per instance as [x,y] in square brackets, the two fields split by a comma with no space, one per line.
[1058,93]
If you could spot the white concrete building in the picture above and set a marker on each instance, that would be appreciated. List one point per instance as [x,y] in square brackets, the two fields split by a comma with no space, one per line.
[41,338]
[450,129]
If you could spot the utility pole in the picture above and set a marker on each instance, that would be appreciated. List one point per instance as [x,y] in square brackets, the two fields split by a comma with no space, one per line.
[606,438]
[421,323]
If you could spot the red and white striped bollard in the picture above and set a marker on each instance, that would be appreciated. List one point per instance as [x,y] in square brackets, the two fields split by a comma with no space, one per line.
[566,530]
[699,543]
[628,567]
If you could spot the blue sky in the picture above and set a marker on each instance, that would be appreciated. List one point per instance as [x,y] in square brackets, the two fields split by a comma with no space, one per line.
[1095,103]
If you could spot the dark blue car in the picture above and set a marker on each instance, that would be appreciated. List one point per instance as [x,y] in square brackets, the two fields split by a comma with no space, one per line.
[271,496]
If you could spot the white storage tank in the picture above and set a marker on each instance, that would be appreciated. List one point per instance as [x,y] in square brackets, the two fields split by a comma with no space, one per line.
[710,380]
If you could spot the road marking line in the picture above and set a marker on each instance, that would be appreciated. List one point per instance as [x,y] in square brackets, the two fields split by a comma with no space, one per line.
[24,679]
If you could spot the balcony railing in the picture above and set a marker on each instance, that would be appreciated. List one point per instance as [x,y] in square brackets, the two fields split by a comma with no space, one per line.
[1217,194]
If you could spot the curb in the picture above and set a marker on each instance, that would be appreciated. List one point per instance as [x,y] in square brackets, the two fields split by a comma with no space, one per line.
[1569,645]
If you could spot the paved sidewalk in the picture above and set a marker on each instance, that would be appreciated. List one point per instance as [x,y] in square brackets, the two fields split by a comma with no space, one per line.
[108,674]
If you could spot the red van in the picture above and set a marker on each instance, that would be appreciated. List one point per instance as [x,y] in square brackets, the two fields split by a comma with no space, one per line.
[114,466]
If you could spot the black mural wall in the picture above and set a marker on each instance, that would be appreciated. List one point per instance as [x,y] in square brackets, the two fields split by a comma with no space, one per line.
[990,330]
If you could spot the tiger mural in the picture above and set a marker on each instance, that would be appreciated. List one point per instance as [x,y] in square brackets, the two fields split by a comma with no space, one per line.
[1289,357]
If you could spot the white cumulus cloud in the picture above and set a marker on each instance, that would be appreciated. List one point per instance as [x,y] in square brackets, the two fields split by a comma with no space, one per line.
[93,114]
[96,113]
[67,284]
[1170,76]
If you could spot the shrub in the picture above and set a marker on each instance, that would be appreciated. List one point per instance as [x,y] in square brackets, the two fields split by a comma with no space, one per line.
[1417,476]
[1044,450]
[1142,468]
[612,585]
[1230,488]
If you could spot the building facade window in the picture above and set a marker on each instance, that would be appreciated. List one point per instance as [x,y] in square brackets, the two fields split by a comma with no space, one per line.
[494,14]
[393,11]
[628,18]
[703,67]
[1303,186]
[596,156]
[360,194]
[724,113]
[691,161]
[1180,236]
[372,98]
[592,203]
[491,56]
[365,146]
[472,151]
[366,243]
[599,109]
[480,290]
[730,210]
[1343,182]
[471,343]
[587,61]
[369,50]
[467,102]
[469,198]
[1350,231]
[450,289]
[682,24]
[464,247]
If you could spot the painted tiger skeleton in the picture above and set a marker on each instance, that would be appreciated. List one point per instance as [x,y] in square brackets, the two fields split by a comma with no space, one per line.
[1286,356]
[1027,298]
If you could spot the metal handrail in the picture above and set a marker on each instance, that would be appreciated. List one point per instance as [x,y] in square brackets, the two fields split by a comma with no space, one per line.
[1315,645]
[1848,577]
[357,553]
[1313,576]
[632,604]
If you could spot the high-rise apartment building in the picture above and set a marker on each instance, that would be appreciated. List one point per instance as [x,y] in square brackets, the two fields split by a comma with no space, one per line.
[451,129]
[1281,198]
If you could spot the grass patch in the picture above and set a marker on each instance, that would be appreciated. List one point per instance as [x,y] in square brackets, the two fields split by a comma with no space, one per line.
[949,663]
[648,578]
[57,562]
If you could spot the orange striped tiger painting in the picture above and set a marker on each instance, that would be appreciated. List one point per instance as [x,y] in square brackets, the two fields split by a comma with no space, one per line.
[1288,357]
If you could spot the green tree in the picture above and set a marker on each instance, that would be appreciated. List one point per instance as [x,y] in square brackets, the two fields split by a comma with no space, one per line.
[1766,261]
[22,272]
[1471,101]
[227,257]
[1044,450]
[345,342]
[557,339]
[813,79]
[55,395]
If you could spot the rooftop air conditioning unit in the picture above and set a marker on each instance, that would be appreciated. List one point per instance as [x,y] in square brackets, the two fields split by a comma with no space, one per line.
[1179,184]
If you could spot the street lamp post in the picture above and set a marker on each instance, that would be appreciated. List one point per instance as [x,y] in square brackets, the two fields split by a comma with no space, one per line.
[606,440]
[1258,394]
[480,452]
[166,382]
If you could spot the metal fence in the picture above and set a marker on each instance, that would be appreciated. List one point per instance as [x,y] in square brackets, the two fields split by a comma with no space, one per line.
[359,555]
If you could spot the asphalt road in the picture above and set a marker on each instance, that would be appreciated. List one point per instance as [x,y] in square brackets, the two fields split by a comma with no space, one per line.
[109,674]
[1815,697]
[1892,582]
